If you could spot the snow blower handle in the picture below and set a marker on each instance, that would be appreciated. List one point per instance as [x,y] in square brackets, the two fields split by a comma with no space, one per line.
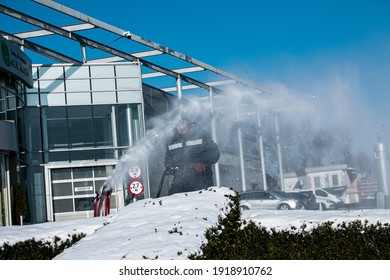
[160,186]
[96,196]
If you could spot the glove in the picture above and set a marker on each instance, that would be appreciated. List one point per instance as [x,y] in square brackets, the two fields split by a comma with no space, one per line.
[200,167]
[173,170]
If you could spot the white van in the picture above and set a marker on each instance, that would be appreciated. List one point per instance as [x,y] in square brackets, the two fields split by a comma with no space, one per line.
[325,199]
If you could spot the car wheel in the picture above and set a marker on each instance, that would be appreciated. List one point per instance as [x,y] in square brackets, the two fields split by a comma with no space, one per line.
[244,208]
[284,207]
[322,206]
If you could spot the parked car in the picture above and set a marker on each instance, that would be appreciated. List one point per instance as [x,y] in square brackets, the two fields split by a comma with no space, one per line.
[324,199]
[267,200]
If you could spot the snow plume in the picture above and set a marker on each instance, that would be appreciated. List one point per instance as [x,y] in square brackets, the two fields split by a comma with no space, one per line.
[132,156]
[331,94]
[242,103]
[347,93]
[337,102]
[138,153]
[158,130]
[230,107]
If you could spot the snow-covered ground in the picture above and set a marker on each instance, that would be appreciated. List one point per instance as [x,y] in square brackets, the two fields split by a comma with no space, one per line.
[170,227]
[167,228]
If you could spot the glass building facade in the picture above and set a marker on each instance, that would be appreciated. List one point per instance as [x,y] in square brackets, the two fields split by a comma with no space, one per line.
[81,119]
[12,148]
[15,75]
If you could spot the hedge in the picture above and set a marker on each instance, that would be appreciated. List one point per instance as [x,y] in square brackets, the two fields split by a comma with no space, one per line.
[32,249]
[235,239]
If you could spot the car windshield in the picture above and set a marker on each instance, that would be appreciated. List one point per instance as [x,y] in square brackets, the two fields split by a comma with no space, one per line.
[278,194]
[321,193]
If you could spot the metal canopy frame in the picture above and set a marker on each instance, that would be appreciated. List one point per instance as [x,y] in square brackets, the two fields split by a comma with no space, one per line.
[27,39]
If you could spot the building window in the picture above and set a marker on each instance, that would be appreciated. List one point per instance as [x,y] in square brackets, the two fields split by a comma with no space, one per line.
[61,174]
[80,126]
[317,182]
[11,96]
[73,189]
[57,134]
[102,125]
[89,132]
[335,180]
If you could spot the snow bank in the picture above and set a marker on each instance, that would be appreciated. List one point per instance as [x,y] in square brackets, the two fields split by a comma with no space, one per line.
[170,227]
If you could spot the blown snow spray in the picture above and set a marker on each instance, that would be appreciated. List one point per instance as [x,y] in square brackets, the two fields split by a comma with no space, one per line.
[129,167]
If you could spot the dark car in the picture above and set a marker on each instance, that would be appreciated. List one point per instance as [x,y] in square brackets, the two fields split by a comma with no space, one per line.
[308,200]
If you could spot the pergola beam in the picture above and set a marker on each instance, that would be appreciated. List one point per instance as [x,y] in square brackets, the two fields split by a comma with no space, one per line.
[40,49]
[42,32]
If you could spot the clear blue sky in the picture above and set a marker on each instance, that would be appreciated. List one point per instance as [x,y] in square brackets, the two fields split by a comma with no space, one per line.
[333,54]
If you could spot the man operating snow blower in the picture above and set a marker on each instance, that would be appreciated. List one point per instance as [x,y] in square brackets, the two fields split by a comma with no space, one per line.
[190,154]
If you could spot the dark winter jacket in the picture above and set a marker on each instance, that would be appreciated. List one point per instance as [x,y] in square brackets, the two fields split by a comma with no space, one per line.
[190,158]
